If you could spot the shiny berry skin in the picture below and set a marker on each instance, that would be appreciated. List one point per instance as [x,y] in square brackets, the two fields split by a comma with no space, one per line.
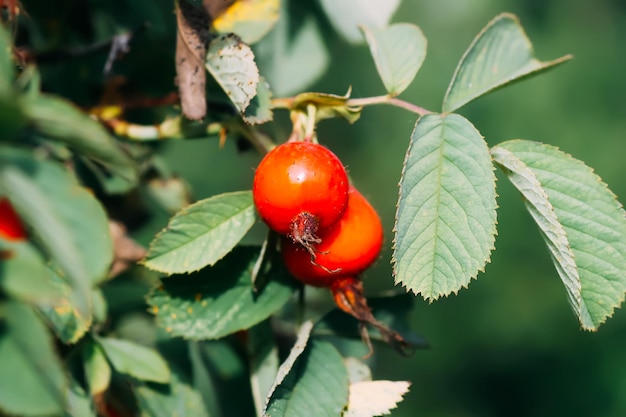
[300,189]
[347,248]
[11,227]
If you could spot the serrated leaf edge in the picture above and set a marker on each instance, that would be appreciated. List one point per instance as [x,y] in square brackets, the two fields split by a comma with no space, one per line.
[543,65]
[183,211]
[494,233]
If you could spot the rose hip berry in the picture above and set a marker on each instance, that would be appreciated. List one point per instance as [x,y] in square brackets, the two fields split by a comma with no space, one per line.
[347,248]
[11,227]
[300,189]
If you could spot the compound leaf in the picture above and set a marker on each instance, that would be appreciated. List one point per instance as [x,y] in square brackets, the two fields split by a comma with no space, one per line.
[580,219]
[202,233]
[446,218]
[499,55]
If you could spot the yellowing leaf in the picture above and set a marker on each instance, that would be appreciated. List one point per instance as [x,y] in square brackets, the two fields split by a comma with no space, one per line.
[250,19]
[375,398]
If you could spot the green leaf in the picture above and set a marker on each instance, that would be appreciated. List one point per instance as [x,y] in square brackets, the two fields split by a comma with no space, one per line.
[250,19]
[220,300]
[499,55]
[293,55]
[347,15]
[7,68]
[97,369]
[58,202]
[32,381]
[24,274]
[580,220]
[317,385]
[135,360]
[64,316]
[203,380]
[260,109]
[302,340]
[446,218]
[78,403]
[61,121]
[231,63]
[264,362]
[40,214]
[176,399]
[398,51]
[202,233]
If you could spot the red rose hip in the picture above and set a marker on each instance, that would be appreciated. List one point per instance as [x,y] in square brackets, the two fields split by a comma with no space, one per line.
[347,248]
[300,189]
[11,227]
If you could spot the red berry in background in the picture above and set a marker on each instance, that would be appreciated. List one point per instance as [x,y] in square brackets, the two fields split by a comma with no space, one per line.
[300,189]
[11,227]
[347,248]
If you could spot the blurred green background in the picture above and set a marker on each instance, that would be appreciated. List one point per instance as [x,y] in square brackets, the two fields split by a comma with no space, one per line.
[509,344]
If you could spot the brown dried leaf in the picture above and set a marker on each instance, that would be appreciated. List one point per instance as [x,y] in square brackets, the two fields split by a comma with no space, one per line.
[126,250]
[193,36]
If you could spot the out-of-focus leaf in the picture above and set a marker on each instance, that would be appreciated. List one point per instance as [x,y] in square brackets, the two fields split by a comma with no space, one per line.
[7,68]
[172,193]
[23,273]
[39,212]
[398,51]
[260,109]
[73,223]
[580,219]
[375,398]
[97,369]
[250,19]
[202,379]
[446,218]
[12,119]
[191,40]
[347,15]
[78,402]
[499,55]
[66,319]
[293,55]
[264,362]
[176,399]
[139,361]
[220,300]
[231,63]
[126,251]
[32,381]
[59,120]
[202,233]
[317,385]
